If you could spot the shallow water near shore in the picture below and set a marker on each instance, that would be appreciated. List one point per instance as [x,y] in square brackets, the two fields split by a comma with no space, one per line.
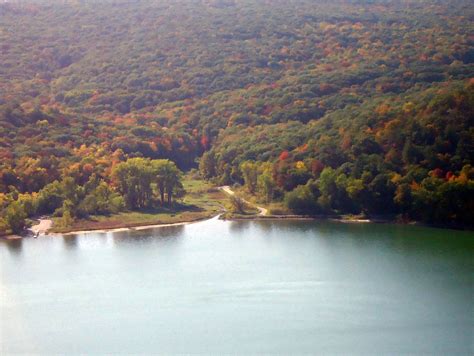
[240,287]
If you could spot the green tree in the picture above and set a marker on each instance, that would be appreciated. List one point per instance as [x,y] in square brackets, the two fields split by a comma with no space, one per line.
[303,200]
[168,178]
[328,187]
[382,192]
[102,200]
[68,214]
[266,185]
[136,178]
[207,165]
[15,216]
[49,198]
[249,171]
[133,179]
[403,197]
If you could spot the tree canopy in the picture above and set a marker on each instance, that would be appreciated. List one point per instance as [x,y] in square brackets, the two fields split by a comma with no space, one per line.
[362,106]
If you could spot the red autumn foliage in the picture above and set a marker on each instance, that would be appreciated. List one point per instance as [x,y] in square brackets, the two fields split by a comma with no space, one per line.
[284,155]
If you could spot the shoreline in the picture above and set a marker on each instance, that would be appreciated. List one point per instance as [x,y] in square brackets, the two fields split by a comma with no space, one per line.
[146,227]
[30,232]
[343,220]
[306,217]
[133,228]
[221,216]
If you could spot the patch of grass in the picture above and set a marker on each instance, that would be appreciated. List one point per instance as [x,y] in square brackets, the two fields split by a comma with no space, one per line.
[249,206]
[278,208]
[203,195]
[201,201]
[241,191]
[133,219]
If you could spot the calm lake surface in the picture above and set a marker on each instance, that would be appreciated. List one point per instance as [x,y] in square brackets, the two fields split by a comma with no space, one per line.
[241,287]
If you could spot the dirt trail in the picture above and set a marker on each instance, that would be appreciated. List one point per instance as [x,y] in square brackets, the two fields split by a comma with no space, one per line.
[262,211]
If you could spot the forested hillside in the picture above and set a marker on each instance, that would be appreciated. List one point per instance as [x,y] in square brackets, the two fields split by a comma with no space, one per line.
[327,106]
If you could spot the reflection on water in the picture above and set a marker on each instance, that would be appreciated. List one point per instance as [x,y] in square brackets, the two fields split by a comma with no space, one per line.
[14,246]
[239,226]
[149,235]
[265,226]
[70,241]
[240,287]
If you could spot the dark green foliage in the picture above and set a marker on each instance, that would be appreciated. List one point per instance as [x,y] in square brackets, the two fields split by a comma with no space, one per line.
[303,200]
[138,179]
[15,216]
[381,92]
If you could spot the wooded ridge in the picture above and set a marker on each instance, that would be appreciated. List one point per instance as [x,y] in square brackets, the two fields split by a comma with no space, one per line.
[359,107]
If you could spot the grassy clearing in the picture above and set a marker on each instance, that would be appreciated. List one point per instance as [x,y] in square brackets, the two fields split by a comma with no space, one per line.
[278,208]
[201,201]
[274,208]
[203,195]
[250,209]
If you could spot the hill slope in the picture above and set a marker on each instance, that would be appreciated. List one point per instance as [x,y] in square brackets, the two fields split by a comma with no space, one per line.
[353,106]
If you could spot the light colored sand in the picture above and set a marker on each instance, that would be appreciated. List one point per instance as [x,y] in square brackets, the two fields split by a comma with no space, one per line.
[42,227]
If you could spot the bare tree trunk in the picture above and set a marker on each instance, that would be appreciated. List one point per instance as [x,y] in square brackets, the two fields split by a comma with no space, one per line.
[162,193]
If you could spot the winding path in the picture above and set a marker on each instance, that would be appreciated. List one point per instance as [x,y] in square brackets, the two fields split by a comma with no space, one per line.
[261,211]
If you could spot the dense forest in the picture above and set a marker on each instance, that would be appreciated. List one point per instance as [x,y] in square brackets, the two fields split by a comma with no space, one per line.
[342,106]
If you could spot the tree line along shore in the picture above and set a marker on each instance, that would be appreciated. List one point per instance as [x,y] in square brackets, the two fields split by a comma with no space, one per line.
[359,108]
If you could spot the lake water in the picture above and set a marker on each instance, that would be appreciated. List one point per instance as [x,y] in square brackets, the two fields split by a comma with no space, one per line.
[241,287]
